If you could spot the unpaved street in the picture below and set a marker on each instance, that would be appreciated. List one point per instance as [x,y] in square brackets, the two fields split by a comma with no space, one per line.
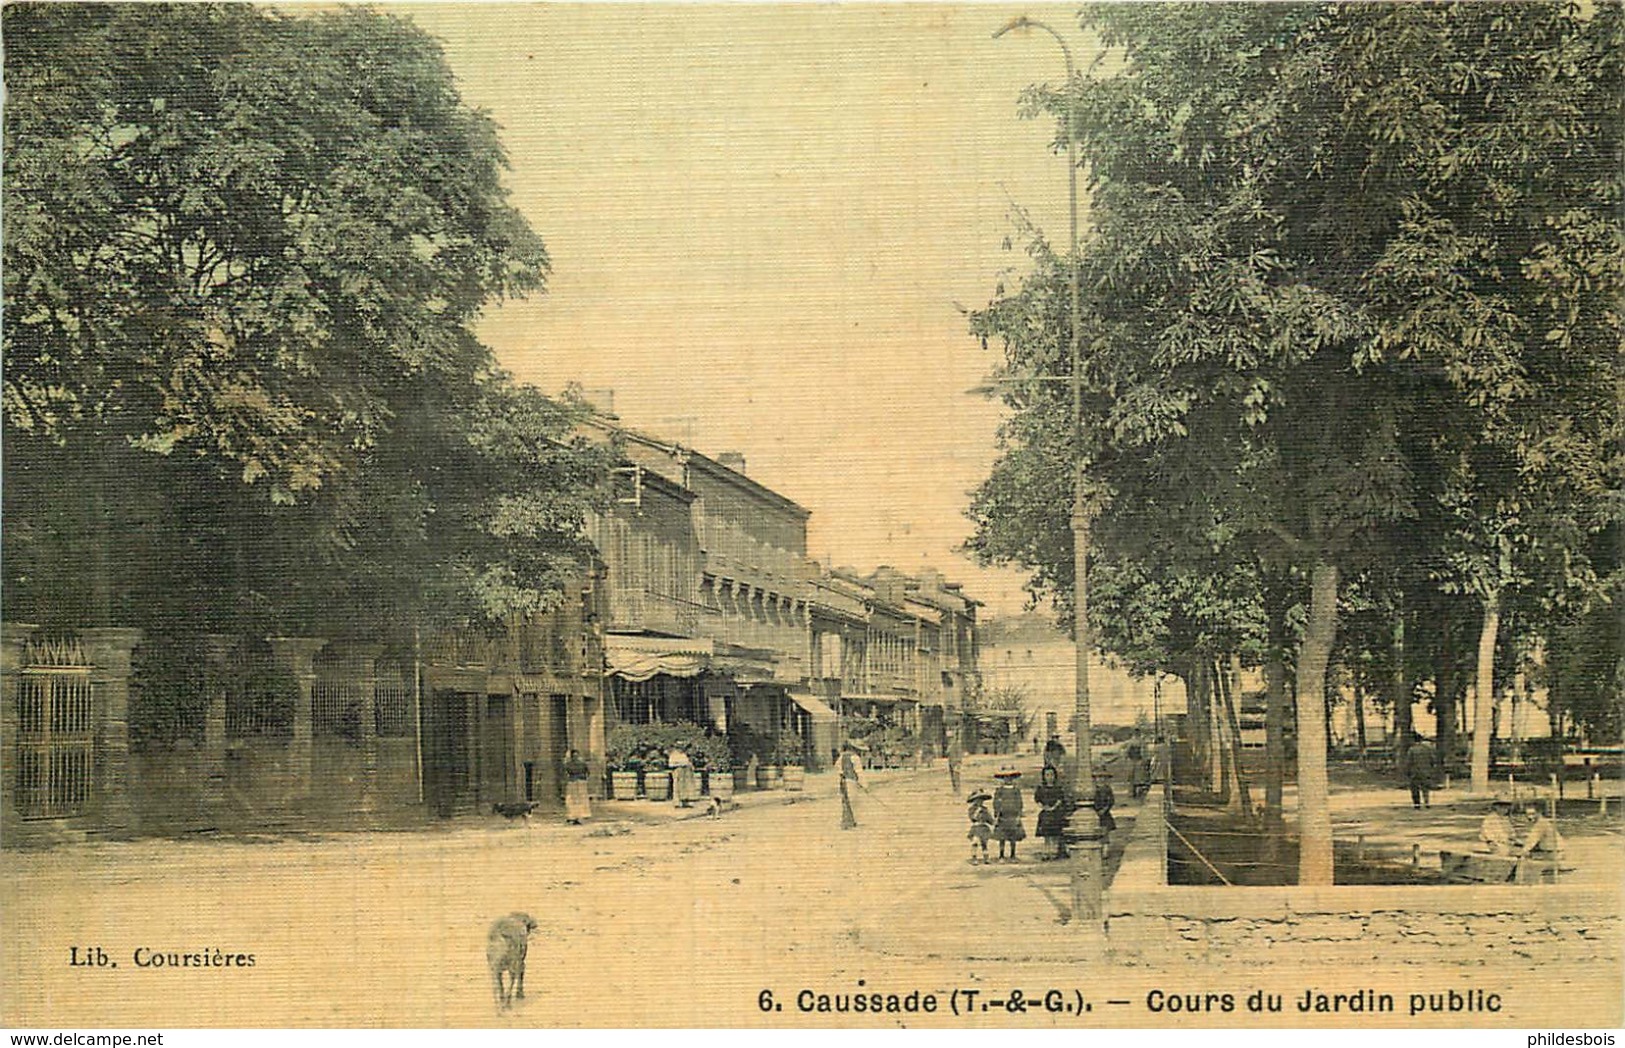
[673,924]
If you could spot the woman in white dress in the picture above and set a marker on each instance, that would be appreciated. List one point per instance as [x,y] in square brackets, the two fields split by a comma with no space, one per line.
[685,785]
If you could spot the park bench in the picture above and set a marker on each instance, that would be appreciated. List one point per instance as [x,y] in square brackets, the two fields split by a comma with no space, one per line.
[1484,868]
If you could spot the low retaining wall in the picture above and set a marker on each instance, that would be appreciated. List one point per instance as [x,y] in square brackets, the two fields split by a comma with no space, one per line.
[1358,925]
[1146,918]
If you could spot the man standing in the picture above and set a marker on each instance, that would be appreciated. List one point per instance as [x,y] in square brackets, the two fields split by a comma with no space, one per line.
[953,764]
[1421,771]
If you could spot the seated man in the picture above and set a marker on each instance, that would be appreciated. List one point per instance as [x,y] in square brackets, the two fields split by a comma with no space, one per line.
[1542,839]
[1495,832]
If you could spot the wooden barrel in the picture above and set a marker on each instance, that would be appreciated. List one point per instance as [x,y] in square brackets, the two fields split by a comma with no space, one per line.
[657,785]
[623,785]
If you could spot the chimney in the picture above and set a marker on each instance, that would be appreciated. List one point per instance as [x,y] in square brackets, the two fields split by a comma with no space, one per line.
[734,460]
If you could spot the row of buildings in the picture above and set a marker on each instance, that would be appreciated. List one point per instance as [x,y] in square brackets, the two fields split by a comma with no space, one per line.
[713,613]
[703,608]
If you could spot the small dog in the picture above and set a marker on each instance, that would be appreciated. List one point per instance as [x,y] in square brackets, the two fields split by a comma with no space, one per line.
[713,807]
[505,950]
[514,810]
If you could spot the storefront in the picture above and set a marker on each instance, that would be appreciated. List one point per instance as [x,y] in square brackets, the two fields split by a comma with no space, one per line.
[658,680]
[819,726]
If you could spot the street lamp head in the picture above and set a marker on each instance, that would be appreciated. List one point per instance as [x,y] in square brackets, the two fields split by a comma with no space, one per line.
[993,386]
[1019,22]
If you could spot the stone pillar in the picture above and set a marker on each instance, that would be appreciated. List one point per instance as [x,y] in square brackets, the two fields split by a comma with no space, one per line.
[593,752]
[297,655]
[109,650]
[13,645]
[216,649]
[577,728]
[516,744]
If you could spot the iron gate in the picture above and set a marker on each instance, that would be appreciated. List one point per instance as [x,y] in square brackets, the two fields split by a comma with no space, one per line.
[56,740]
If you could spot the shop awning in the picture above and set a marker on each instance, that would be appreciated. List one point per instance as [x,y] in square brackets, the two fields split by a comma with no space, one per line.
[884,700]
[813,705]
[638,658]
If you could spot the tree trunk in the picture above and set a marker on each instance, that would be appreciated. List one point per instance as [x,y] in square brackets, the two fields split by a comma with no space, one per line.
[1444,698]
[1221,740]
[1519,684]
[1314,794]
[1223,759]
[1185,757]
[1402,693]
[1202,730]
[1359,719]
[1555,694]
[1484,694]
[1218,777]
[1275,713]
[1241,799]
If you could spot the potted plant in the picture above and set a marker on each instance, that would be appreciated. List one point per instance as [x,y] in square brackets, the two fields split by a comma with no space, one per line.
[893,742]
[624,756]
[790,755]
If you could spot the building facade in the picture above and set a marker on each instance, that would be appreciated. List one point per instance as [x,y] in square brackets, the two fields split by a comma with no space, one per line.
[702,608]
[719,563]
[111,732]
[898,652]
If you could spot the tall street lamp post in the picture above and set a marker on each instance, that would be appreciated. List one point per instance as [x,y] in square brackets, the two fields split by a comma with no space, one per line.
[1086,872]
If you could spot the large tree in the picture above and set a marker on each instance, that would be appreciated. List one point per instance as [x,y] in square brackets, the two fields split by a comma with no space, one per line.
[1291,286]
[243,255]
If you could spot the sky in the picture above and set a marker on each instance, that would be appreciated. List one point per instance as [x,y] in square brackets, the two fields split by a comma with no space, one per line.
[764,221]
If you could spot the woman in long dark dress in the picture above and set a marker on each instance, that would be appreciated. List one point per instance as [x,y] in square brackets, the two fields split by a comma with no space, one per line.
[577,803]
[1053,810]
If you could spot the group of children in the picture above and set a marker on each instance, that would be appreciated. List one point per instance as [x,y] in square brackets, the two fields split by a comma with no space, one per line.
[1003,821]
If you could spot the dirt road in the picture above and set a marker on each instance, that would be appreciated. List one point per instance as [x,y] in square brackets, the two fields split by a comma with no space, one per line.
[677,924]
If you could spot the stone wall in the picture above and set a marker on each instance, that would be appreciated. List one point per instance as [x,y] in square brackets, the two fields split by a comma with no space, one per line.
[1150,921]
[1349,925]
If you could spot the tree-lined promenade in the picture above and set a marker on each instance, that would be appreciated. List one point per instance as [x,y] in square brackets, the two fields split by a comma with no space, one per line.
[1351,338]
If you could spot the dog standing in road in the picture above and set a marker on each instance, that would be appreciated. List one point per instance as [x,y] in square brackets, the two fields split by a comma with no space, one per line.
[505,950]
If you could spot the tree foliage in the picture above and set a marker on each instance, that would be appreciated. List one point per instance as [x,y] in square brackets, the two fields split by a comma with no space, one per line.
[243,254]
[1352,274]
